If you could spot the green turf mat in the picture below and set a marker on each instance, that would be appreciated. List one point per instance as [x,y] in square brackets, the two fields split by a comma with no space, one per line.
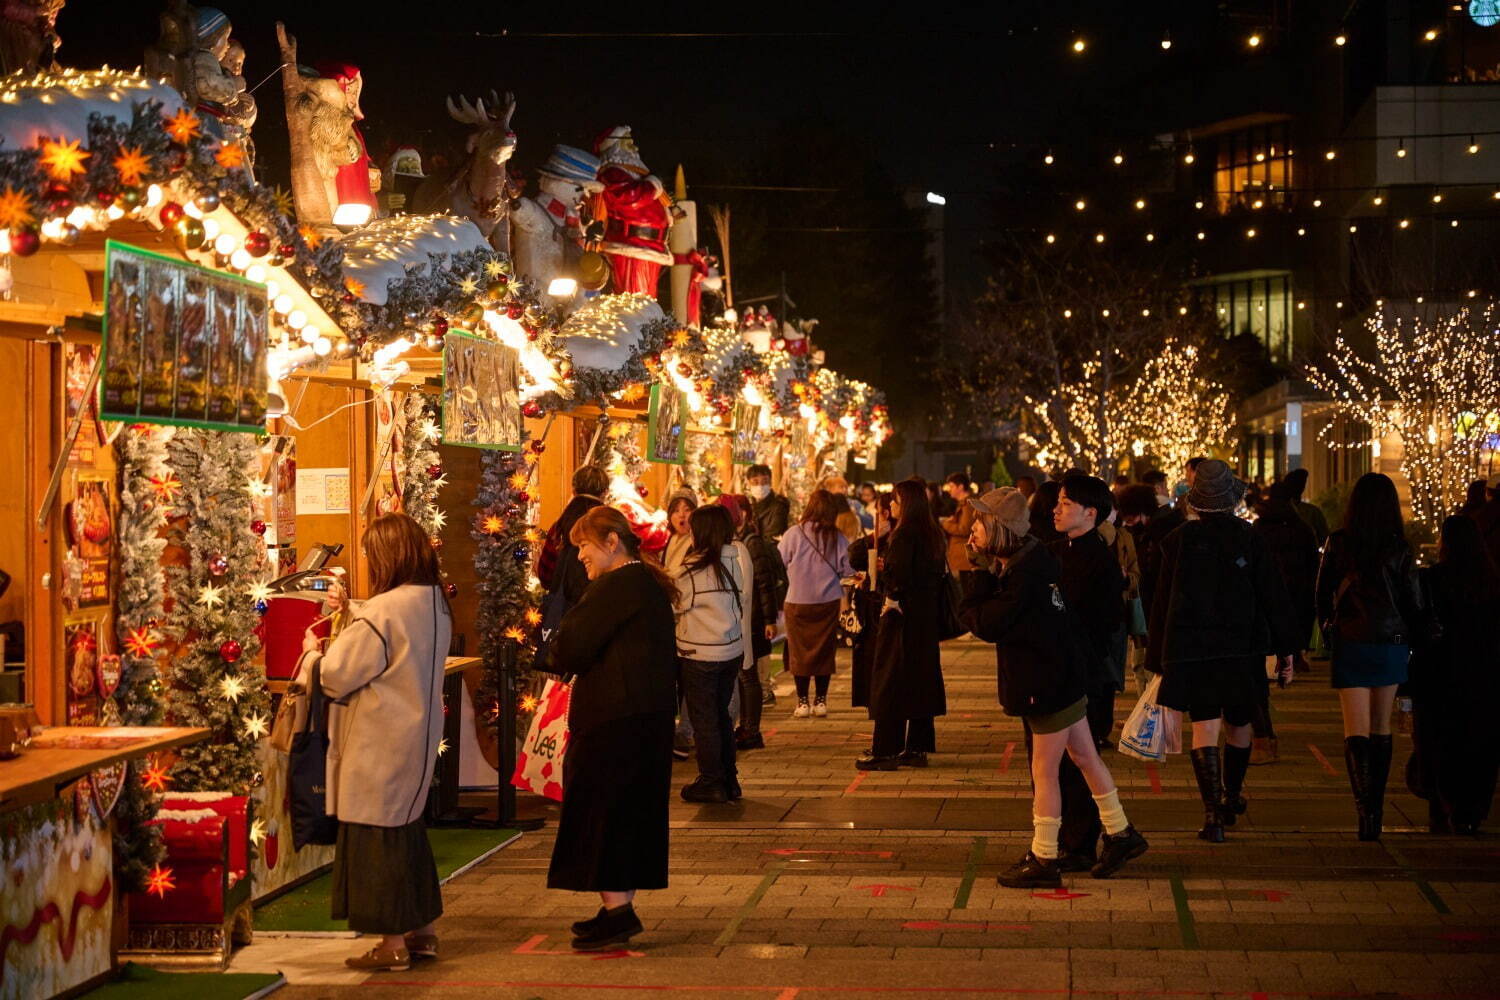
[140,982]
[306,907]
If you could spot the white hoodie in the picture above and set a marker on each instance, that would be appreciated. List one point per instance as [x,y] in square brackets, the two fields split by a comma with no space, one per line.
[713,621]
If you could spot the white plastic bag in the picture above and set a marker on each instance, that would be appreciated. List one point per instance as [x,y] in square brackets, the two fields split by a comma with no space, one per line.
[1145,734]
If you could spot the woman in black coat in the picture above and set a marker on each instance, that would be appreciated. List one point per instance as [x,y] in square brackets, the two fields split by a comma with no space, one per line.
[1455,681]
[620,643]
[1220,607]
[1015,602]
[1370,609]
[906,677]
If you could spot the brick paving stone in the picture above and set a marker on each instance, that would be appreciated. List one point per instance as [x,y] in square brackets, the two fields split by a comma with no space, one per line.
[1352,921]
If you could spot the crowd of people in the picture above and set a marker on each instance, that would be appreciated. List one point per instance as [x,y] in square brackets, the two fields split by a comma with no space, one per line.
[1208,592]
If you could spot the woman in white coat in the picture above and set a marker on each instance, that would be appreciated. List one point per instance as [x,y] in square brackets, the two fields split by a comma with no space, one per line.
[384,673]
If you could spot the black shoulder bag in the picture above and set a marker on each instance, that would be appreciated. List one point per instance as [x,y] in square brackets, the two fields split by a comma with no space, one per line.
[307,772]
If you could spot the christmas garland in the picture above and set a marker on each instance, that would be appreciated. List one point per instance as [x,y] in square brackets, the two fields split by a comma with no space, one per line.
[421,473]
[147,490]
[213,614]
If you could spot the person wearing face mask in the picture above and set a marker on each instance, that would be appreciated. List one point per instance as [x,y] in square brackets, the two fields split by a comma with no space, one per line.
[619,642]
[771,510]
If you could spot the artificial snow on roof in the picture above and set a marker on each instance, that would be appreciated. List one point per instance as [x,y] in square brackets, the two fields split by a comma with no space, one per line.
[379,253]
[603,331]
[57,105]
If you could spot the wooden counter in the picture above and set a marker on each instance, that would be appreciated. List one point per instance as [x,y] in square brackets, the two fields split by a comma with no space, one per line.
[458,664]
[63,754]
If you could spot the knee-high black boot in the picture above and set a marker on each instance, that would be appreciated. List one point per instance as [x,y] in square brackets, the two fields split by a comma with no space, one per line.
[1357,762]
[1380,770]
[1236,763]
[1211,789]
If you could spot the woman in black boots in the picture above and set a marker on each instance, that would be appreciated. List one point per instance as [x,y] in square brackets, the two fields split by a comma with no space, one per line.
[1220,606]
[1370,609]
[1454,683]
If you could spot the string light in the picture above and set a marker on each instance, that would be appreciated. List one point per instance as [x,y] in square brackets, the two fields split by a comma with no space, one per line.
[1048,158]
[1340,40]
[1119,158]
[1140,203]
[1331,154]
[1379,200]
[1250,233]
[1400,149]
[1080,204]
[1253,41]
[1404,223]
[1437,197]
[1473,146]
[1188,157]
[1166,41]
[1430,35]
[1079,45]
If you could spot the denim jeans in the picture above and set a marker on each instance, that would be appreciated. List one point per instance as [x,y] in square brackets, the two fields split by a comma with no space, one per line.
[707,686]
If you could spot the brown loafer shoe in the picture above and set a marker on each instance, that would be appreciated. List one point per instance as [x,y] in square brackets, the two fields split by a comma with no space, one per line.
[422,945]
[378,959]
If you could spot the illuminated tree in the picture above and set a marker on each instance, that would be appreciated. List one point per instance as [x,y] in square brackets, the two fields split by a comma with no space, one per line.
[1432,380]
[1176,408]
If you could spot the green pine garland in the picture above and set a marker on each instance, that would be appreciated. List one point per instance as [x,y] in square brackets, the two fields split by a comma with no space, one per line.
[215,509]
[142,457]
[502,560]
[419,455]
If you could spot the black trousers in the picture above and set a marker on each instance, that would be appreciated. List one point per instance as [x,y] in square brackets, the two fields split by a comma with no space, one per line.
[892,736]
[1081,827]
[707,686]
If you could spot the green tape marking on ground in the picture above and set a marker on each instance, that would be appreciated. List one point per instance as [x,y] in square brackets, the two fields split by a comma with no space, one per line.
[1423,886]
[976,857]
[1184,914]
[728,933]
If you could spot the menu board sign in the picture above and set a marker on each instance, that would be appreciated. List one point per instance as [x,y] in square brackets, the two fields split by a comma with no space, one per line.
[183,344]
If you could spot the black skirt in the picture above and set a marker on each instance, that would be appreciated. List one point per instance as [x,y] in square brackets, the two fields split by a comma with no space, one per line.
[385,880]
[1229,682]
[617,783]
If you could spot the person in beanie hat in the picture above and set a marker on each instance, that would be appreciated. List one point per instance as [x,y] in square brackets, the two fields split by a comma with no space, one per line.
[1014,600]
[1220,606]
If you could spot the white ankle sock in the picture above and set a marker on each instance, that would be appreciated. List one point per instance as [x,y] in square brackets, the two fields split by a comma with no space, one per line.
[1044,836]
[1111,813]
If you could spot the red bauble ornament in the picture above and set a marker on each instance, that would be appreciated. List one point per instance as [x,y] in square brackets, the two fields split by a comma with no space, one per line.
[105,197]
[348,298]
[257,243]
[532,333]
[451,589]
[523,496]
[439,326]
[218,565]
[24,242]
[286,250]
[230,650]
[515,312]
[259,527]
[538,447]
[531,408]
[170,212]
[643,492]
[434,471]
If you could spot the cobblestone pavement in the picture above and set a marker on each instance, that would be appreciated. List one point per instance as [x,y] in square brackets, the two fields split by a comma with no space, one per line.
[826,882]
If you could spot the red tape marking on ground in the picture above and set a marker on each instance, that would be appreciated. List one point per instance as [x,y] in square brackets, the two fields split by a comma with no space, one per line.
[945,925]
[767,734]
[1010,748]
[783,852]
[1058,894]
[880,890]
[533,946]
[1271,895]
[1154,774]
[859,779]
[1322,760]
[790,993]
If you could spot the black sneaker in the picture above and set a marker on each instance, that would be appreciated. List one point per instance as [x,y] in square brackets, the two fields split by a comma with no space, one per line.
[732,790]
[1032,872]
[1074,862]
[582,927]
[912,758]
[1118,849]
[704,791]
[869,762]
[612,930]
[749,741]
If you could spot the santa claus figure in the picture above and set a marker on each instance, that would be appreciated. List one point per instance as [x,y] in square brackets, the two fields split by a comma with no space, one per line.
[637,214]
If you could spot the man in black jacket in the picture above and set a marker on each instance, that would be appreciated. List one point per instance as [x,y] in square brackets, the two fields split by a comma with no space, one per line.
[1093,587]
[771,510]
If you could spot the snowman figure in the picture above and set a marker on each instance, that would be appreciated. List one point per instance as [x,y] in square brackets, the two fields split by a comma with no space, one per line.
[546,229]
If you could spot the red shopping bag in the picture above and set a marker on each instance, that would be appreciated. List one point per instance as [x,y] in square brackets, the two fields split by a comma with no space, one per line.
[539,765]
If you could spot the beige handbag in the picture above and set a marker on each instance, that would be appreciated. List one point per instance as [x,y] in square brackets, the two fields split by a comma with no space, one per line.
[291,715]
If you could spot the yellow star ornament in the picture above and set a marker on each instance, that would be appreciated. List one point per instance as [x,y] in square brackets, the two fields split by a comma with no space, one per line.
[182,126]
[15,209]
[132,165]
[63,159]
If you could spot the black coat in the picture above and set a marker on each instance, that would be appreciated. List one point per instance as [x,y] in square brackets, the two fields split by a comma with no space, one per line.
[867,604]
[772,515]
[1356,606]
[1093,587]
[620,640]
[1040,663]
[768,588]
[1148,541]
[1219,596]
[906,679]
[1293,545]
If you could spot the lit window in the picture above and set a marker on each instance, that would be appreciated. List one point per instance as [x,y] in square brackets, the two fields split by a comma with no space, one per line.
[1253,166]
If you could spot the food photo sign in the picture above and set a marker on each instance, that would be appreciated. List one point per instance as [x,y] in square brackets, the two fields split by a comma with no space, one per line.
[183,344]
[481,393]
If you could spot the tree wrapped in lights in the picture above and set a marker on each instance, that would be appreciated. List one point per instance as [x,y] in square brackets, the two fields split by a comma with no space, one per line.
[1176,409]
[212,616]
[1083,424]
[148,490]
[1433,380]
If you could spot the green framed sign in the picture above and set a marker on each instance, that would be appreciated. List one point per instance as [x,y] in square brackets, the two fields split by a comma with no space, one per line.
[481,393]
[664,426]
[183,344]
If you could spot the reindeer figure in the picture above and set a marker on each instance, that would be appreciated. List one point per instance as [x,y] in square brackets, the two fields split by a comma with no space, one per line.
[476,189]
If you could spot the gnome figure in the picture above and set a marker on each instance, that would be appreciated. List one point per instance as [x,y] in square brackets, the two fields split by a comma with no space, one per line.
[637,214]
[547,231]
